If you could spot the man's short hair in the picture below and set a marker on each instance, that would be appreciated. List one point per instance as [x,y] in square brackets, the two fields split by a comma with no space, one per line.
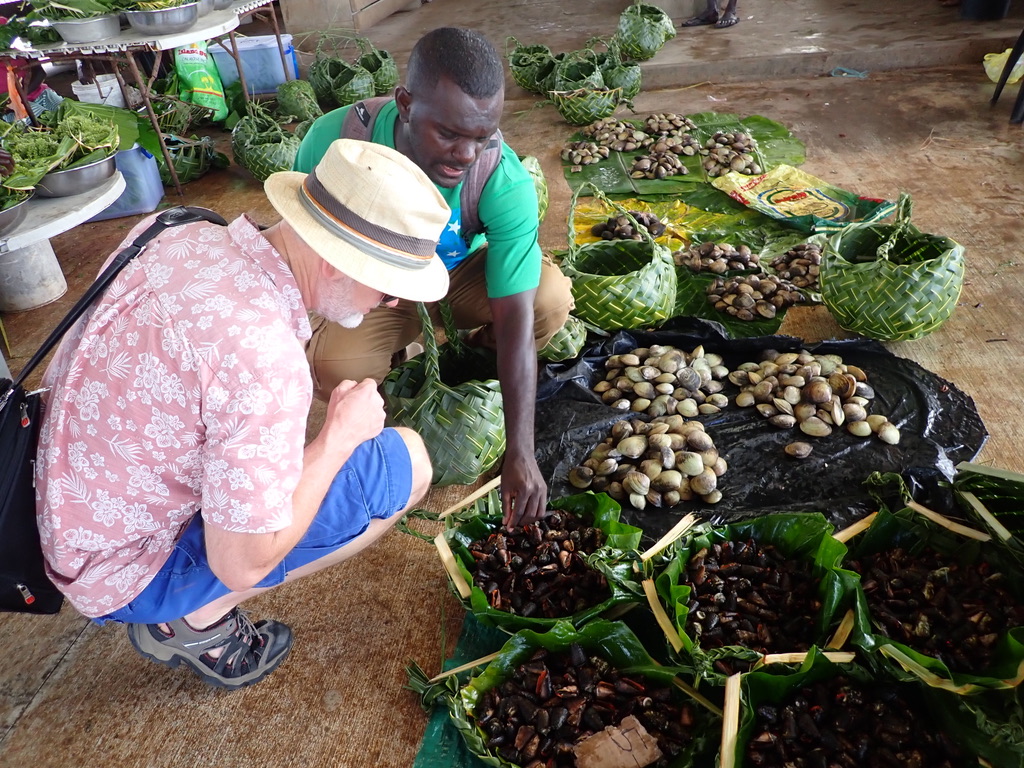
[464,56]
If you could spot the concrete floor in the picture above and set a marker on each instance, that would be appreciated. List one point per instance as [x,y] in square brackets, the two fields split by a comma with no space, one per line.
[72,693]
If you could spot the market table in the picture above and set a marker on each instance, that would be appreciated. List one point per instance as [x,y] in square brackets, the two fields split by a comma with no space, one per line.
[123,47]
[30,275]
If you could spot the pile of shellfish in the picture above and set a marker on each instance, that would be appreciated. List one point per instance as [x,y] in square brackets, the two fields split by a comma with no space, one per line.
[730,151]
[663,380]
[657,165]
[556,700]
[616,135]
[658,463]
[815,393]
[717,258]
[800,265]
[584,153]
[540,569]
[621,228]
[753,297]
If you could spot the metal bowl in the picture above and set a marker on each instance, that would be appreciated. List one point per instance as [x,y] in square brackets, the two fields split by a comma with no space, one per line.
[205,7]
[220,5]
[166,21]
[11,217]
[74,181]
[89,30]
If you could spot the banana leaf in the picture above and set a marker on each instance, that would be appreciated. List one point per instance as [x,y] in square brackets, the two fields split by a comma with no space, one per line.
[776,146]
[799,536]
[775,684]
[994,497]
[990,723]
[614,642]
[904,528]
[614,559]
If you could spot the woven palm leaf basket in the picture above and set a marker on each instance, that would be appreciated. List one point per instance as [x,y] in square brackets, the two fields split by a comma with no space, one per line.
[891,282]
[585,105]
[620,284]
[566,343]
[525,62]
[462,424]
[642,31]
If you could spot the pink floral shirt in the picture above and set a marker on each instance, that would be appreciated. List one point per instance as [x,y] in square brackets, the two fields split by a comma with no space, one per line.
[184,387]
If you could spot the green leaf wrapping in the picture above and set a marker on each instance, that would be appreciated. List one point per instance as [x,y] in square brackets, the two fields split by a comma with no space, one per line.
[800,536]
[614,559]
[611,640]
[297,98]
[337,83]
[525,63]
[261,146]
[891,282]
[908,530]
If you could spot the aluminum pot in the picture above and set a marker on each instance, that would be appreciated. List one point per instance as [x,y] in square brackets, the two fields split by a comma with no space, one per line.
[11,217]
[165,21]
[74,181]
[220,5]
[90,30]
[205,7]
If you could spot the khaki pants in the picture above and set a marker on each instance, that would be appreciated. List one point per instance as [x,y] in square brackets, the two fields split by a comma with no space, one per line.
[337,353]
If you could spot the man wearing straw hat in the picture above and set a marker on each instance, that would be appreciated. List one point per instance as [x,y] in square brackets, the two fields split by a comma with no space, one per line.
[173,482]
[445,118]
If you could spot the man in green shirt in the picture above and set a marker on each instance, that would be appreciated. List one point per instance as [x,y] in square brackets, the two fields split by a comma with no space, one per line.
[444,118]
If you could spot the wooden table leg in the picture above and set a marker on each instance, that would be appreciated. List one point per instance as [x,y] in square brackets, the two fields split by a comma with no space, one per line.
[144,88]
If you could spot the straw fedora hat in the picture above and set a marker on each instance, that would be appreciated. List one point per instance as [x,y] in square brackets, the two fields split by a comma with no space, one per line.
[370,212]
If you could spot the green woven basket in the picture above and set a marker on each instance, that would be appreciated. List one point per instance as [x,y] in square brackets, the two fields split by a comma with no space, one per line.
[191,158]
[525,63]
[577,71]
[462,425]
[337,83]
[566,343]
[584,106]
[642,30]
[620,284]
[532,166]
[891,282]
[380,65]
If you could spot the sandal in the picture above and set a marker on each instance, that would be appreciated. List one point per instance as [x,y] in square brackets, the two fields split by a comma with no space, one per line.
[251,651]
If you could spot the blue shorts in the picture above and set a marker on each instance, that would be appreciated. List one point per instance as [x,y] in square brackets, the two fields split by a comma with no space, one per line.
[374,483]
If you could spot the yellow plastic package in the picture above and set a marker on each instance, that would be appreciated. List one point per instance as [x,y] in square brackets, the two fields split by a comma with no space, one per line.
[994,63]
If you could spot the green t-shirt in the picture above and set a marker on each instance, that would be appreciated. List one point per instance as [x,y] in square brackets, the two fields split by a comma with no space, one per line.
[507,207]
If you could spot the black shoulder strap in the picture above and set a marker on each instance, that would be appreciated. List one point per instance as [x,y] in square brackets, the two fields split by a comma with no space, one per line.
[172,217]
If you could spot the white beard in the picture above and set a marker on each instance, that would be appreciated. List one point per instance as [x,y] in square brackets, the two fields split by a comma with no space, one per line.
[336,304]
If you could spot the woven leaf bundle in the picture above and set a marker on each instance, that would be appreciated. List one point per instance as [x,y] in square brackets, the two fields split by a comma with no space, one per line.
[546,72]
[525,63]
[260,145]
[462,425]
[337,83]
[297,99]
[380,65]
[891,282]
[642,30]
[625,76]
[532,166]
[584,106]
[566,343]
[577,71]
[191,158]
[625,284]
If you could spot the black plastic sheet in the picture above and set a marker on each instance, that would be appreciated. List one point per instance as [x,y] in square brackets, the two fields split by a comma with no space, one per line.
[939,426]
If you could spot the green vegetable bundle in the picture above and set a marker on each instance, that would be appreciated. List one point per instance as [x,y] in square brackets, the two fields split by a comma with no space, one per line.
[296,98]
[891,282]
[642,30]
[620,284]
[261,145]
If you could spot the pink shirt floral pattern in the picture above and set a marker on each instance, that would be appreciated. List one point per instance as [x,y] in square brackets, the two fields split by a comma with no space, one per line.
[185,387]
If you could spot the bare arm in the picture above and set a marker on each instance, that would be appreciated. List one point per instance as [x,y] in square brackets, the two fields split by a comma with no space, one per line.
[355,414]
[524,492]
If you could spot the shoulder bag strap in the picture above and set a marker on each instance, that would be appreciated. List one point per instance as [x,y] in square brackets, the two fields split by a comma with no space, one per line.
[172,217]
